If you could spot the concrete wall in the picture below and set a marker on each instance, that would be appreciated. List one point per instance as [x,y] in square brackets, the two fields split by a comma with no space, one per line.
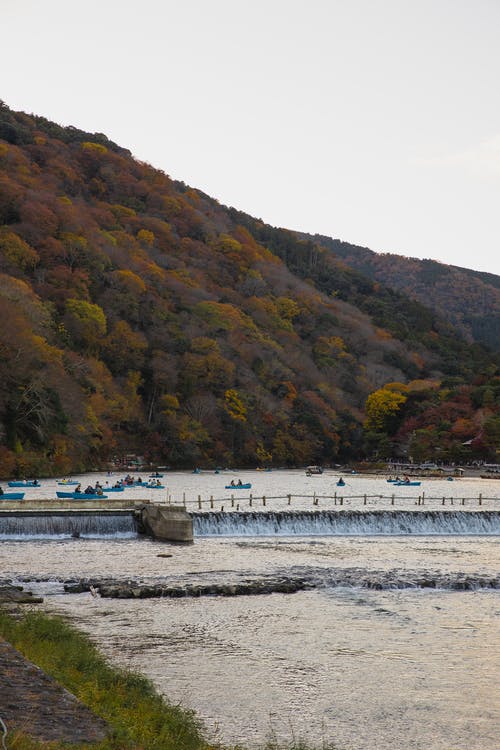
[168,523]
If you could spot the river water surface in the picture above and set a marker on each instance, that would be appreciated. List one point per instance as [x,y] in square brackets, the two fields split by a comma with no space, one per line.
[395,646]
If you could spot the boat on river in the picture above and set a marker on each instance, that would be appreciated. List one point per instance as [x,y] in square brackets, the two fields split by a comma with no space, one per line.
[246,486]
[407,484]
[25,483]
[12,496]
[80,496]
[311,470]
[67,482]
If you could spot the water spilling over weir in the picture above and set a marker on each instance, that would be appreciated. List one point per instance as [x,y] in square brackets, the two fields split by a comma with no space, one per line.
[119,523]
[346,522]
[47,525]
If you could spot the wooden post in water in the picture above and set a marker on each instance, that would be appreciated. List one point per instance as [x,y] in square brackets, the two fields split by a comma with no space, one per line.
[211,501]
[480,499]
[423,496]
[250,500]
[392,499]
[184,498]
[232,501]
[443,501]
[289,499]
[364,500]
[335,497]
[263,499]
[463,501]
[341,500]
[199,502]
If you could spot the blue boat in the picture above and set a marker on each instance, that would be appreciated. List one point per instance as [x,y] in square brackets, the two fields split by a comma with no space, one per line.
[113,489]
[246,486]
[156,476]
[340,483]
[12,496]
[80,496]
[24,483]
[155,486]
[407,484]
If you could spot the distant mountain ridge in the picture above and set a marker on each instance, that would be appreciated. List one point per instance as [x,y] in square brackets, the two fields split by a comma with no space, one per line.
[140,316]
[469,300]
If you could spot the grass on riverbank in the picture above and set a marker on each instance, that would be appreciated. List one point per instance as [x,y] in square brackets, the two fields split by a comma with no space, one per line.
[139,718]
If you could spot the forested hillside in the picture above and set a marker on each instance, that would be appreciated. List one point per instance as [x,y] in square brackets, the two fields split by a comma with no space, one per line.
[469,300]
[142,317]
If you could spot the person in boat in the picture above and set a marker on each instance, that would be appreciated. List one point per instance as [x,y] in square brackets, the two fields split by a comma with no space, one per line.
[406,479]
[36,483]
[98,490]
[1,490]
[78,488]
[232,483]
[90,490]
[139,480]
[158,483]
[239,483]
[117,484]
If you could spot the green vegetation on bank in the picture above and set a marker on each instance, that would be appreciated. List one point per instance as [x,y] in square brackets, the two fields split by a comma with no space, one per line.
[139,718]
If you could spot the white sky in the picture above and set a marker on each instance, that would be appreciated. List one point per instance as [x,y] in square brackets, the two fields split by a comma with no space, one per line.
[373,121]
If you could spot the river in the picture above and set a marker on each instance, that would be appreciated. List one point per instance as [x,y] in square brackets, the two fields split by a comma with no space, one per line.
[395,645]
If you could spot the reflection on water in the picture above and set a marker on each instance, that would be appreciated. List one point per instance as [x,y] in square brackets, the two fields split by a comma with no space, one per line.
[367,669]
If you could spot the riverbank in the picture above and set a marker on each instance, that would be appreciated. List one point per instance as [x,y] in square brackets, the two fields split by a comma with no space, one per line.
[57,688]
[59,692]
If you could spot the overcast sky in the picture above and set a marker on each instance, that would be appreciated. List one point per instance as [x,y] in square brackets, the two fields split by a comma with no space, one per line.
[373,121]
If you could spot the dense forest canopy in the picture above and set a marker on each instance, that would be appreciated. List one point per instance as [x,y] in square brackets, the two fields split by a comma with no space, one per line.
[141,317]
[469,300]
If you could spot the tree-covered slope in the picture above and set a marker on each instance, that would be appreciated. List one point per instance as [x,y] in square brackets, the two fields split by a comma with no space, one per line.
[469,300]
[140,316]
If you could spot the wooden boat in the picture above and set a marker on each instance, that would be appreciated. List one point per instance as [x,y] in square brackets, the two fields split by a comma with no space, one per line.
[12,496]
[24,483]
[80,496]
[246,486]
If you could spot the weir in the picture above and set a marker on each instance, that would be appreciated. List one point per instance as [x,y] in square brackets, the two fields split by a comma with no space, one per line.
[162,522]
[346,522]
[171,523]
[52,523]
